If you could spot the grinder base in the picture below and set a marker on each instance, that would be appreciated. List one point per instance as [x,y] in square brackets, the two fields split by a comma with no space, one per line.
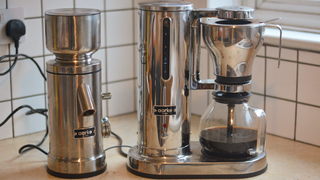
[76,176]
[193,166]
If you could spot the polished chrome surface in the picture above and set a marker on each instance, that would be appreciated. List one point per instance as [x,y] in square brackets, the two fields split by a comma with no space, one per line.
[165,6]
[164,146]
[194,164]
[67,154]
[163,135]
[280,38]
[72,34]
[232,46]
[63,67]
[106,127]
[85,100]
[213,85]
[235,12]
[74,93]
[105,96]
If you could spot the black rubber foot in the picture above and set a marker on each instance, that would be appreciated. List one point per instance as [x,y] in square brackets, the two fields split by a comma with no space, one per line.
[76,176]
[230,176]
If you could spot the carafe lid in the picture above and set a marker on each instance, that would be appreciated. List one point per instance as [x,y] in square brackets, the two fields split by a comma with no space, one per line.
[165,6]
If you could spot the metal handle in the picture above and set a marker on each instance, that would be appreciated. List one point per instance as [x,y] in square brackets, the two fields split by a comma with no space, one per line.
[105,96]
[280,29]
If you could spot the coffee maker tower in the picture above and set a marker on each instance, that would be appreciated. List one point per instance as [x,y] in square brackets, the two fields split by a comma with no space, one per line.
[232,134]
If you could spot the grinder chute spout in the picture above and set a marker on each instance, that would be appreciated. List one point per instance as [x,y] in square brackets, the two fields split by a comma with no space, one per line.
[85,101]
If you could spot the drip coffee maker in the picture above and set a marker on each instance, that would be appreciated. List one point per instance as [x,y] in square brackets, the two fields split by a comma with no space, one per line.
[232,133]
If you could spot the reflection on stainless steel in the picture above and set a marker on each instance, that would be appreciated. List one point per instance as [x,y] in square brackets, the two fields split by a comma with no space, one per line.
[74,94]
[85,100]
[106,127]
[194,166]
[162,135]
[169,68]
[233,46]
[105,96]
[280,39]
[73,34]
[235,12]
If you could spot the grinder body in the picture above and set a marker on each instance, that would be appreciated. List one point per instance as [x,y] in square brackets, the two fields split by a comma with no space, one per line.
[75,141]
[74,94]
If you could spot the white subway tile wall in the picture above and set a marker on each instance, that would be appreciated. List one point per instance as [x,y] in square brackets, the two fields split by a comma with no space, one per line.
[289,95]
[5,83]
[25,85]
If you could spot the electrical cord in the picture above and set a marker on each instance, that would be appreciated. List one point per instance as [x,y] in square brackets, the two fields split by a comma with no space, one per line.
[13,64]
[16,57]
[28,147]
[117,147]
[120,145]
[15,29]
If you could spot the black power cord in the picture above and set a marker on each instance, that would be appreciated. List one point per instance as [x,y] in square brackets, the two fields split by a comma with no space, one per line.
[15,29]
[28,147]
[15,61]
[120,145]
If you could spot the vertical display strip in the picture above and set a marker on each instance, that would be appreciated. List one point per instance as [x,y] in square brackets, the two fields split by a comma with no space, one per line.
[165,48]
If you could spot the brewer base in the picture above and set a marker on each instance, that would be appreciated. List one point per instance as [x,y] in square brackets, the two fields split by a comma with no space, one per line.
[76,176]
[193,166]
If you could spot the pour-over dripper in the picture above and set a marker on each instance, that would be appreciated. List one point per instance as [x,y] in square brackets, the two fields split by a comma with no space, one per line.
[233,44]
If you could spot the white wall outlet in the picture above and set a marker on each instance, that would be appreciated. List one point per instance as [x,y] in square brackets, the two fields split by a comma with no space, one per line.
[5,16]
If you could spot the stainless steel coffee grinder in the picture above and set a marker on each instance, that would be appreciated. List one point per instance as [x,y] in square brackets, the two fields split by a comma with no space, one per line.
[232,133]
[76,126]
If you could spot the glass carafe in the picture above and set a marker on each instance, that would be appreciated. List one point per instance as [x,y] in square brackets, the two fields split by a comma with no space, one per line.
[232,129]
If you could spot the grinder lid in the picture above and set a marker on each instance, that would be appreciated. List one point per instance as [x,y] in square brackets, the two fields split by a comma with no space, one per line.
[72,12]
[165,6]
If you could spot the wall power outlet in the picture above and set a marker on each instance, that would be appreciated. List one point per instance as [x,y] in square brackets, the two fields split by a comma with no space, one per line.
[5,16]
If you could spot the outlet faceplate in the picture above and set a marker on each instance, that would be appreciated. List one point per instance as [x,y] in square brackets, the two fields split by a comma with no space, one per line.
[5,16]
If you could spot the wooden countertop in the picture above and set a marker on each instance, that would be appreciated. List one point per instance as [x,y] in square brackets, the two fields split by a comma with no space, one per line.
[287,159]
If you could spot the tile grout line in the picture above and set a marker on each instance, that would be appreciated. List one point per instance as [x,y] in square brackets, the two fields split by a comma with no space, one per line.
[43,55]
[292,48]
[265,79]
[11,96]
[11,101]
[288,100]
[122,80]
[106,52]
[208,75]
[11,93]
[134,58]
[296,103]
